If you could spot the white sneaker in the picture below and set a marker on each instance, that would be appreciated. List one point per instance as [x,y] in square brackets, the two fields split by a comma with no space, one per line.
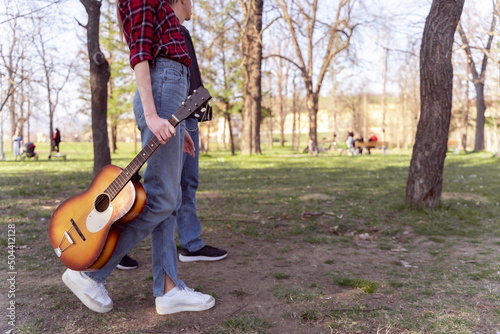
[180,300]
[90,293]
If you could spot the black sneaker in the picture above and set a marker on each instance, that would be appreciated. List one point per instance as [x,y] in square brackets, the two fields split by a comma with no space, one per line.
[207,253]
[127,263]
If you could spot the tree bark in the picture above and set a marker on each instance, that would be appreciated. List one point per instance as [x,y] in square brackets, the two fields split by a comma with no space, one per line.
[252,60]
[425,177]
[99,76]
[465,124]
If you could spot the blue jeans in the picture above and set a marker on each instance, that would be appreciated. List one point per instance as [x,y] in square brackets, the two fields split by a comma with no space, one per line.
[188,224]
[162,177]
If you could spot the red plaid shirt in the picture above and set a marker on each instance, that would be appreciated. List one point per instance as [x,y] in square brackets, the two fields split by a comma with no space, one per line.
[152,30]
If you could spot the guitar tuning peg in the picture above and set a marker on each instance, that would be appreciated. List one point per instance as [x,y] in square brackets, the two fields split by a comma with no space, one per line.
[203,109]
[183,103]
[197,115]
[196,104]
[194,91]
[189,97]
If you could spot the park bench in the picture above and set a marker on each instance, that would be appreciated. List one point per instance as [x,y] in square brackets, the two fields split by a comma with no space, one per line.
[454,145]
[383,145]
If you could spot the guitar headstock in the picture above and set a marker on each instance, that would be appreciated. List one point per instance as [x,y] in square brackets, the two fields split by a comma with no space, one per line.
[194,102]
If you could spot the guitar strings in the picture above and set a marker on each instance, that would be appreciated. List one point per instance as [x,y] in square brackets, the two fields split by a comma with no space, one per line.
[112,188]
[108,191]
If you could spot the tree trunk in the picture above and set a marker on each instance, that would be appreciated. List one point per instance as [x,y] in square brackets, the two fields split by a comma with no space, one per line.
[312,108]
[270,137]
[384,93]
[231,137]
[425,177]
[480,118]
[12,105]
[282,83]
[466,114]
[252,53]
[114,136]
[299,131]
[99,76]
[294,124]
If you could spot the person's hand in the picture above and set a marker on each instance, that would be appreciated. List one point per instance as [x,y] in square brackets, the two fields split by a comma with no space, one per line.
[188,145]
[160,127]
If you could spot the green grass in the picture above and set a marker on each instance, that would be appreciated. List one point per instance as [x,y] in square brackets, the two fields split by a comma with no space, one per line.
[355,282]
[281,275]
[303,215]
[244,324]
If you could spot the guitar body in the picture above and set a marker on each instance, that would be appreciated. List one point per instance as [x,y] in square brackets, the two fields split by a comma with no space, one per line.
[85,229]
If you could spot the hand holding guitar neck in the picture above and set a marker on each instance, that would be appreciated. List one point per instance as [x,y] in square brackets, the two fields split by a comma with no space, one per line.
[160,127]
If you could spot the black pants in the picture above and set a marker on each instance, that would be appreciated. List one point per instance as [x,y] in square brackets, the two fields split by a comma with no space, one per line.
[54,146]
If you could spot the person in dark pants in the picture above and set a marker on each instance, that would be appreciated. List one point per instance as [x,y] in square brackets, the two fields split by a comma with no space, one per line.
[359,139]
[56,140]
[188,224]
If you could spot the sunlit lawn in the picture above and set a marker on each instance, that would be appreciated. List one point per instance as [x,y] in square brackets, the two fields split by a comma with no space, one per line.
[361,194]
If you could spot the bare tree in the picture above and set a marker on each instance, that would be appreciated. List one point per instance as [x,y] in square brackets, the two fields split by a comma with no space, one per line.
[12,55]
[121,86]
[278,78]
[479,78]
[301,20]
[99,76]
[352,102]
[425,179]
[53,79]
[251,41]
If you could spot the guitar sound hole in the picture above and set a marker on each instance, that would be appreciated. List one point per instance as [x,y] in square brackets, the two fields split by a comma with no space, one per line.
[101,202]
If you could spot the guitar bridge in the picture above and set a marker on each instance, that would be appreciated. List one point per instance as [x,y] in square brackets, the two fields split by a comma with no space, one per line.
[58,250]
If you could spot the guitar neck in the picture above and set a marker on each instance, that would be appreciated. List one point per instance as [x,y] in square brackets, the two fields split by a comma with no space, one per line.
[136,164]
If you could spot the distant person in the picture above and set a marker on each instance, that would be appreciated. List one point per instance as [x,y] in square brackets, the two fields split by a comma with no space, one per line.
[373,138]
[350,132]
[310,146]
[350,142]
[17,141]
[359,139]
[55,142]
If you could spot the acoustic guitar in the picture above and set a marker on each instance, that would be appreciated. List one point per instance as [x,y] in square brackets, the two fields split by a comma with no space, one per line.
[85,229]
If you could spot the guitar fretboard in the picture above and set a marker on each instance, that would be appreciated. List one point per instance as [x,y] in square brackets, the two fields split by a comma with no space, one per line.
[133,167]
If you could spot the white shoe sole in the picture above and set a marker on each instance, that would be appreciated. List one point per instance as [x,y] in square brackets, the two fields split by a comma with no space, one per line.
[119,266]
[183,308]
[184,258]
[85,299]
